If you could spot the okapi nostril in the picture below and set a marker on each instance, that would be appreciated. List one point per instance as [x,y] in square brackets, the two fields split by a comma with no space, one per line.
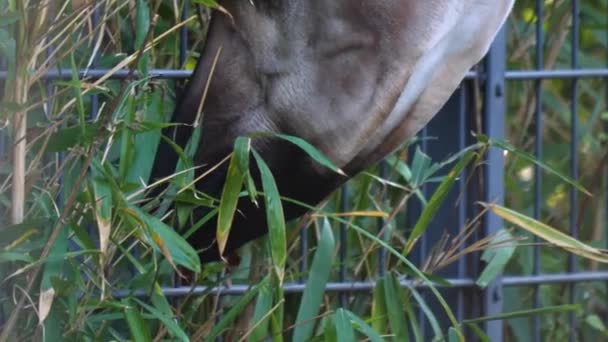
[353,78]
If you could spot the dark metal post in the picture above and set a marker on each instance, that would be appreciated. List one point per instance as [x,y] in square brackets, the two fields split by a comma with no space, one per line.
[494,127]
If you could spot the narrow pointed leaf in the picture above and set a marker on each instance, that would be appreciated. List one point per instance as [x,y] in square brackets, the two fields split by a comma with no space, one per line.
[364,328]
[231,191]
[550,234]
[315,285]
[496,259]
[344,327]
[436,201]
[530,158]
[394,308]
[312,152]
[274,216]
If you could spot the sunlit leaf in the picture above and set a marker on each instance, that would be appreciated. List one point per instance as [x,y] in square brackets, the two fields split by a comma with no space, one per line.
[549,234]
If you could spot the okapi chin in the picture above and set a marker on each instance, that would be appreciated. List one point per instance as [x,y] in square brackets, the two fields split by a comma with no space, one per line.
[353,78]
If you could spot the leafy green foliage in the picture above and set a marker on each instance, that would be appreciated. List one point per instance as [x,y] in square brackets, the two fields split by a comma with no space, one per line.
[115,249]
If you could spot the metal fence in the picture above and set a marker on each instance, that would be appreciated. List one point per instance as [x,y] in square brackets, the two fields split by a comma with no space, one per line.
[453,126]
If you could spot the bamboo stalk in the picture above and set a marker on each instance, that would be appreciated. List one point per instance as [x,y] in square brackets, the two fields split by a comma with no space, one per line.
[19,153]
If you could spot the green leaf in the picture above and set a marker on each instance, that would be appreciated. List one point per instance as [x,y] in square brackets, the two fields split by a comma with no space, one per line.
[277,317]
[428,312]
[379,311]
[496,258]
[274,217]
[142,23]
[166,318]
[160,302]
[262,307]
[420,166]
[453,335]
[230,194]
[436,201]
[549,234]
[526,313]
[315,285]
[65,138]
[8,46]
[364,328]
[14,256]
[165,238]
[481,335]
[419,274]
[329,329]
[207,3]
[344,328]
[146,142]
[394,308]
[312,152]
[596,323]
[530,158]
[103,207]
[140,331]
[235,311]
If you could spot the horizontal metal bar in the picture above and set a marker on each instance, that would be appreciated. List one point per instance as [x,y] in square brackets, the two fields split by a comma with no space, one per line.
[119,74]
[556,74]
[183,74]
[235,290]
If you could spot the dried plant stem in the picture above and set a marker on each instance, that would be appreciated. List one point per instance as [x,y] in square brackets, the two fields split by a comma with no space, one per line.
[19,153]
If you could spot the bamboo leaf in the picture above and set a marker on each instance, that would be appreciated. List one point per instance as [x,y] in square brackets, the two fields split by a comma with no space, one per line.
[140,331]
[315,285]
[436,201]
[364,328]
[312,152]
[496,259]
[379,311]
[103,208]
[394,309]
[167,240]
[230,194]
[558,309]
[166,318]
[549,234]
[236,309]
[260,319]
[344,328]
[530,158]
[274,217]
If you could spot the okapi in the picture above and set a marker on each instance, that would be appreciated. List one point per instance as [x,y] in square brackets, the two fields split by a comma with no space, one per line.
[353,78]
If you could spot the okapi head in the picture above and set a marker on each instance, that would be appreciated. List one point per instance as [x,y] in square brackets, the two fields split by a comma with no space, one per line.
[353,78]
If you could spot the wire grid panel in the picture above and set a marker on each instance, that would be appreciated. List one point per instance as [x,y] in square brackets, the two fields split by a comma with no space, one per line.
[452,125]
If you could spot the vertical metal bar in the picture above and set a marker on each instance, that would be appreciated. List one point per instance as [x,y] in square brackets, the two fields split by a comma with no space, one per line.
[538,152]
[494,126]
[183,36]
[95,98]
[462,184]
[422,251]
[343,245]
[304,257]
[573,158]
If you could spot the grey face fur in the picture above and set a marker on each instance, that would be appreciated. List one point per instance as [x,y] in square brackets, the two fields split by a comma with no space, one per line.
[354,78]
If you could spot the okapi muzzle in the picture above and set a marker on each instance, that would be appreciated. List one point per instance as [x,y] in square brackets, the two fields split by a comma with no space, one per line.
[353,78]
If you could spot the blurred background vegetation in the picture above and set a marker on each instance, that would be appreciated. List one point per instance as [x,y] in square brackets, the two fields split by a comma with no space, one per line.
[90,236]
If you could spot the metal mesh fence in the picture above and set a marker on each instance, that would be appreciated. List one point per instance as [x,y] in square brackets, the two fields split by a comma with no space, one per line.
[452,127]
